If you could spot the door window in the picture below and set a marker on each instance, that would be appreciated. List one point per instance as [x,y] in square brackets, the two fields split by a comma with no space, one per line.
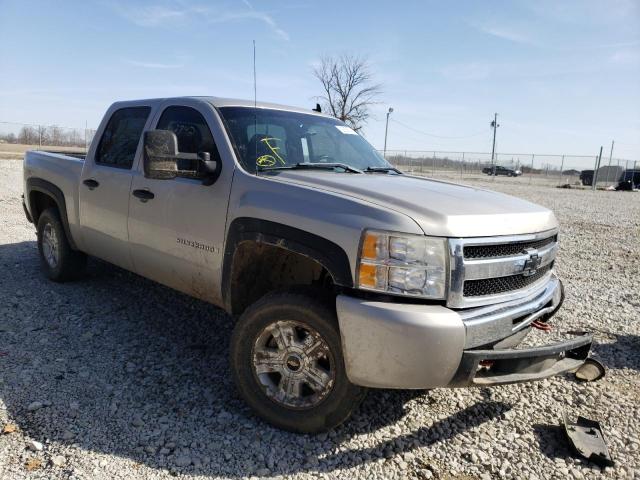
[119,142]
[194,136]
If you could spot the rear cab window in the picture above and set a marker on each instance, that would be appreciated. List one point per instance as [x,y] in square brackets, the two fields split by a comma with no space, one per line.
[119,142]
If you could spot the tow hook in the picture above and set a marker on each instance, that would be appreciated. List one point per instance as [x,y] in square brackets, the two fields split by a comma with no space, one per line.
[541,326]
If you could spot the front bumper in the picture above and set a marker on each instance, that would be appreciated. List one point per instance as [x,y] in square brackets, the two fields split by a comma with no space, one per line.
[394,345]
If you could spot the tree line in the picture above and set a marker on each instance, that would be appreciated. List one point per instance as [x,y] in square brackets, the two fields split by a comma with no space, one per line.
[48,135]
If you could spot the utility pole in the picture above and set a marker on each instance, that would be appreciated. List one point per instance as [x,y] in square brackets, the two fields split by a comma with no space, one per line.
[494,125]
[386,129]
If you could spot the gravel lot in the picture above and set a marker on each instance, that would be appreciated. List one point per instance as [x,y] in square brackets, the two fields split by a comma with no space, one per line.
[117,377]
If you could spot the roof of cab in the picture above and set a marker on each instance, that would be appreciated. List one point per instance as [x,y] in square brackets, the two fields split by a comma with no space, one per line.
[226,102]
[234,102]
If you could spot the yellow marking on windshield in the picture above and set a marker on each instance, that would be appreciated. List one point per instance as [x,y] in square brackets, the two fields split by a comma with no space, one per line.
[270,160]
[265,161]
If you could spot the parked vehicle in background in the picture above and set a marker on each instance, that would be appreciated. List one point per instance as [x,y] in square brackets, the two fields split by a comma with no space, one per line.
[499,170]
[342,272]
[629,180]
[586,177]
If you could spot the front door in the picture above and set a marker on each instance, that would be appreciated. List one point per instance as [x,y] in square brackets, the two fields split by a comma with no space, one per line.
[105,185]
[177,236]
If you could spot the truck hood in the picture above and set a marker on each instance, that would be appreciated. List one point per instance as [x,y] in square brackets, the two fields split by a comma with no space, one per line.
[439,208]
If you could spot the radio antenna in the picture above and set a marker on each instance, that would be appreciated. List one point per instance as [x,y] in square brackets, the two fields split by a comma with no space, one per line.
[255,86]
[255,107]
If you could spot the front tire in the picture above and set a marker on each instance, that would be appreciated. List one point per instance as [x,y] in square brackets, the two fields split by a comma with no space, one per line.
[59,261]
[286,359]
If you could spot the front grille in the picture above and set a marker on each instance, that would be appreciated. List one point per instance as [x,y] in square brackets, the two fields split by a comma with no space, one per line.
[505,249]
[493,286]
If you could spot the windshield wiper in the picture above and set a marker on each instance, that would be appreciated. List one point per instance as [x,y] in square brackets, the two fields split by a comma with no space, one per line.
[320,166]
[382,169]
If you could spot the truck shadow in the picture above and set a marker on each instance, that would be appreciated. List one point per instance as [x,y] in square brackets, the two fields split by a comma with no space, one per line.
[126,367]
[616,354]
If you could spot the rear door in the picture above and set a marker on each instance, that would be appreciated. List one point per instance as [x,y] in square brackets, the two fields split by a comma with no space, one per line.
[177,236]
[105,185]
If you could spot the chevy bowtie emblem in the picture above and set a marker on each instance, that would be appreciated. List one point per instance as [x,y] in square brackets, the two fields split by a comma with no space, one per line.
[532,264]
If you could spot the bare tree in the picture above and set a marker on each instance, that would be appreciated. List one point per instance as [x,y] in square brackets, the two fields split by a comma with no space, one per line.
[28,135]
[348,87]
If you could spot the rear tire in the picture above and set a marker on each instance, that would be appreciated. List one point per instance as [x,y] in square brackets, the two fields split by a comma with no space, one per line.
[59,261]
[286,359]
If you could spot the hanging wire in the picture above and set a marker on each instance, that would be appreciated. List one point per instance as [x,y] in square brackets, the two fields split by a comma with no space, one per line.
[433,134]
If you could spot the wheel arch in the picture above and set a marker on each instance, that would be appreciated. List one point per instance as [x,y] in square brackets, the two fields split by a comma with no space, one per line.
[276,246]
[42,194]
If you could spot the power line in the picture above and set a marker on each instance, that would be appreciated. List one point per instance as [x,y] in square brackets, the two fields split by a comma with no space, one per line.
[433,134]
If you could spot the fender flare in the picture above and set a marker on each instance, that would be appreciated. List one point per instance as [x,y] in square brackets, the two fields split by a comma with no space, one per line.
[49,189]
[327,253]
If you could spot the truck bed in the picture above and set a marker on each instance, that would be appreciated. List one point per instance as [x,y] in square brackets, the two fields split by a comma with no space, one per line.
[60,169]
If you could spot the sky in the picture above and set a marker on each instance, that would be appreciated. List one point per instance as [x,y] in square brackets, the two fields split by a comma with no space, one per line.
[563,76]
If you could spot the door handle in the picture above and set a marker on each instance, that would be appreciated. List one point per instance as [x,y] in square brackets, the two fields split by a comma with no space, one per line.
[143,195]
[91,183]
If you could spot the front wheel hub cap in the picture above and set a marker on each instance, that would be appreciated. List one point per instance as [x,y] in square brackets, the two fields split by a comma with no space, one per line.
[293,364]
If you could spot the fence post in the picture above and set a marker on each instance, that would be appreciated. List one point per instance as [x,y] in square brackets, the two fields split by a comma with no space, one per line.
[561,169]
[533,156]
[461,165]
[433,166]
[595,170]
[626,167]
[624,174]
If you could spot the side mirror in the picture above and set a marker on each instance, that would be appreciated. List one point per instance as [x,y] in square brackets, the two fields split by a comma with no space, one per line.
[160,154]
[163,161]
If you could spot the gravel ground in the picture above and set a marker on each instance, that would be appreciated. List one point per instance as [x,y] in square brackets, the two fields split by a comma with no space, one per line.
[117,377]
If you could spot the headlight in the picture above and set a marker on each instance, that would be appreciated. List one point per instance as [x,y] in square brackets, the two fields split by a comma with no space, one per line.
[403,264]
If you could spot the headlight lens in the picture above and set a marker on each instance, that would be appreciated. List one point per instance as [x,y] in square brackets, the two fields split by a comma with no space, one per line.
[412,265]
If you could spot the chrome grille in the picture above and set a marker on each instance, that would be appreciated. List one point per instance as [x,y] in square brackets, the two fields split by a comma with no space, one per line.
[506,249]
[489,270]
[492,286]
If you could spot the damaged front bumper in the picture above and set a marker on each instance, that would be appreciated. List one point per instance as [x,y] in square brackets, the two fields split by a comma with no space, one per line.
[395,345]
[485,368]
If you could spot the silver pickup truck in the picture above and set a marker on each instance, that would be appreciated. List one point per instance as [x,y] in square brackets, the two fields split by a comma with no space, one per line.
[342,273]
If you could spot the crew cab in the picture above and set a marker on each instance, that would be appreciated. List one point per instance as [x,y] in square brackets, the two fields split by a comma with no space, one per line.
[500,170]
[341,272]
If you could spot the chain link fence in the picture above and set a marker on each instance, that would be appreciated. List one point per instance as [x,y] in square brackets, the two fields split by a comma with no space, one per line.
[17,138]
[552,170]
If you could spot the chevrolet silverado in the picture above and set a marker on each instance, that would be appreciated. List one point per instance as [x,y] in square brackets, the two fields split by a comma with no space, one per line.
[341,272]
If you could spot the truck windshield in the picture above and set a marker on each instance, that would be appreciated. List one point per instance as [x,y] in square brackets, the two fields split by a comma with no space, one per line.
[268,139]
